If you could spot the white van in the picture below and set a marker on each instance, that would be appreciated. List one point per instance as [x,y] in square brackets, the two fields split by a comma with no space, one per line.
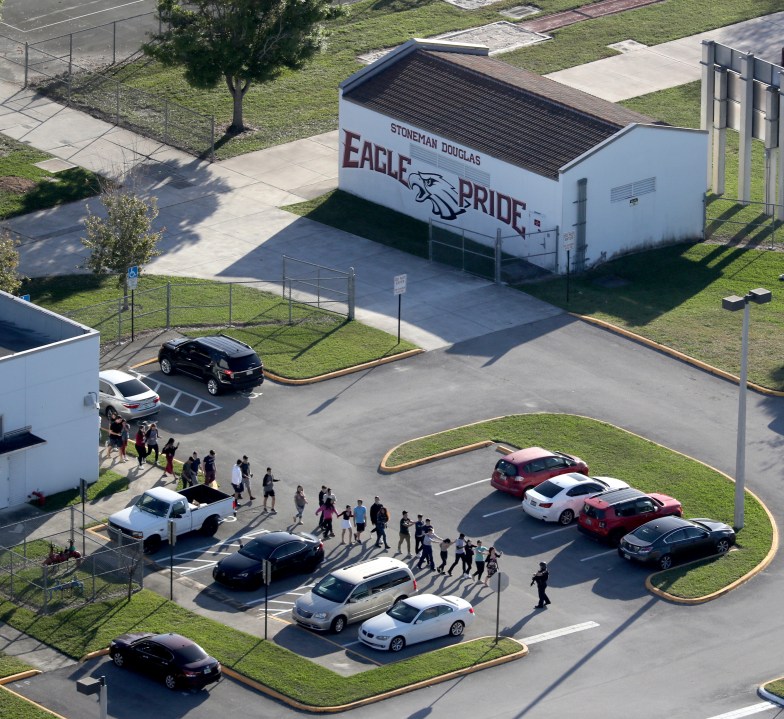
[353,594]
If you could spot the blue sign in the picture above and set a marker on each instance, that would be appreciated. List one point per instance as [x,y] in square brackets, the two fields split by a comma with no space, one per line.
[133,272]
[26,298]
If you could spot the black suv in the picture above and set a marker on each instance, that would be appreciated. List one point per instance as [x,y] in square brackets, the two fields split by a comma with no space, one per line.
[221,361]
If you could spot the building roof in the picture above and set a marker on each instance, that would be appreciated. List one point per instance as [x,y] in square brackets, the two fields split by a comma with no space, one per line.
[488,105]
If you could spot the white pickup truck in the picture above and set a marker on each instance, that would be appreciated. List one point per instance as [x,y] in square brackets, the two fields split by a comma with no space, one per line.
[198,508]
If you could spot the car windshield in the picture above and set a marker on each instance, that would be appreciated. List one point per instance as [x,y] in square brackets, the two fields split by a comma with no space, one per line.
[190,653]
[647,534]
[403,612]
[243,362]
[256,549]
[548,489]
[332,588]
[148,503]
[506,468]
[132,388]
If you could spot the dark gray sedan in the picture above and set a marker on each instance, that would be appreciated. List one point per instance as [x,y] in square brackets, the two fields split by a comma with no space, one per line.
[667,540]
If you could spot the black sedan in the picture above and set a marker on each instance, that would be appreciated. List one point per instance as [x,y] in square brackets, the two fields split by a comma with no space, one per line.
[176,660]
[667,539]
[285,551]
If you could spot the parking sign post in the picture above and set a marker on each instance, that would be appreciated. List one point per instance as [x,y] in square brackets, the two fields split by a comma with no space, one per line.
[133,281]
[172,542]
[501,582]
[267,570]
[400,290]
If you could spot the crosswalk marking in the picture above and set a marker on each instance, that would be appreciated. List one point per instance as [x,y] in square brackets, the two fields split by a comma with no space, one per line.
[562,632]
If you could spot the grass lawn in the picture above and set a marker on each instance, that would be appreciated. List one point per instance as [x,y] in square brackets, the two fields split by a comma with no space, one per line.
[11,665]
[704,492]
[304,103]
[109,482]
[78,631]
[25,188]
[10,704]
[776,688]
[315,343]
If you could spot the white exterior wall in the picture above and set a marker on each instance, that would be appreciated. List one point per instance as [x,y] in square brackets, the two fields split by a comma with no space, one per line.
[44,389]
[675,157]
[456,181]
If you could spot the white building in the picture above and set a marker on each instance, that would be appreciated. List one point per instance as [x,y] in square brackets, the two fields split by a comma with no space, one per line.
[444,133]
[48,394]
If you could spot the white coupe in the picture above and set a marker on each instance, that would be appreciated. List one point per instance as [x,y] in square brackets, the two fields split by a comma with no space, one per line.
[417,619]
[560,499]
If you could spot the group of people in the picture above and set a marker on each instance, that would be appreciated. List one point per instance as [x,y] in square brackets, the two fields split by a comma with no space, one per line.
[241,476]
[353,520]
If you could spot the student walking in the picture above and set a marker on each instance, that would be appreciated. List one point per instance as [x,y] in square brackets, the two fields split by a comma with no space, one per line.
[187,475]
[115,435]
[327,512]
[321,498]
[480,553]
[195,466]
[459,552]
[268,487]
[236,480]
[468,559]
[360,515]
[210,469]
[491,563]
[125,434]
[247,475]
[346,526]
[540,579]
[382,517]
[443,549]
[299,504]
[419,532]
[427,547]
[374,513]
[405,534]
[139,443]
[168,451]
[151,439]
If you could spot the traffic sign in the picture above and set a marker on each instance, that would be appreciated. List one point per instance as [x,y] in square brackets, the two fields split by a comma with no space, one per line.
[133,277]
[400,284]
[568,240]
[26,298]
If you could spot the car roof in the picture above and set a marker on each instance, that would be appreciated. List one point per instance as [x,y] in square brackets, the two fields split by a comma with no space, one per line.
[172,641]
[275,539]
[229,345]
[115,376]
[667,524]
[568,480]
[371,568]
[423,601]
[526,455]
[614,496]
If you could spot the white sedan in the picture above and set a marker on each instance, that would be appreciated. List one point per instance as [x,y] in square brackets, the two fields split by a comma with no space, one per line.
[560,499]
[417,619]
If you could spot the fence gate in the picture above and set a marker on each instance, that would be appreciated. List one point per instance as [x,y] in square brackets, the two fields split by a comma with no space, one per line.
[319,286]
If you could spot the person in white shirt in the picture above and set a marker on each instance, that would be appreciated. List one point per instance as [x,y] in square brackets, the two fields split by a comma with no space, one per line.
[236,479]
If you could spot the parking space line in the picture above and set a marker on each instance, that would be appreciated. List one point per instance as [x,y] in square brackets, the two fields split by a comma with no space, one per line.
[536,638]
[462,486]
[501,511]
[747,711]
[156,384]
[601,554]
[553,531]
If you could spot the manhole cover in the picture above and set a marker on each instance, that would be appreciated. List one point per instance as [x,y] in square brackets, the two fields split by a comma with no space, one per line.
[520,11]
[627,46]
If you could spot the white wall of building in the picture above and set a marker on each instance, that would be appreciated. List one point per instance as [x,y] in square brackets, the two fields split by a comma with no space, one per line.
[440,176]
[670,160]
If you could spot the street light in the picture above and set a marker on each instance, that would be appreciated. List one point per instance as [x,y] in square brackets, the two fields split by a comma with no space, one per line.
[733,303]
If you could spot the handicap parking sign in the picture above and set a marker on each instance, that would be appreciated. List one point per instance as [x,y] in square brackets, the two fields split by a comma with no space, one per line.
[133,277]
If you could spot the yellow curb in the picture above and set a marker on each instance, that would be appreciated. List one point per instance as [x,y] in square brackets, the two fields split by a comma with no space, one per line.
[431,458]
[94,655]
[35,704]
[21,675]
[378,697]
[504,449]
[675,353]
[145,362]
[342,372]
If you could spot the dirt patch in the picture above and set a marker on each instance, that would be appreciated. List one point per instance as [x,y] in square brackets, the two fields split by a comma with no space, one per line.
[16,185]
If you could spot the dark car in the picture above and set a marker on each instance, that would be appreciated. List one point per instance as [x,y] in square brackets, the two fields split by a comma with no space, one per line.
[517,472]
[219,360]
[176,660]
[285,551]
[670,539]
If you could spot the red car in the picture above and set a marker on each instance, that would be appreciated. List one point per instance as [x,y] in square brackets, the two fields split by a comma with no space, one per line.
[611,515]
[517,472]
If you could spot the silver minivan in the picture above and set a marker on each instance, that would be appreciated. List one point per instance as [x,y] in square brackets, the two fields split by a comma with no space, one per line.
[353,594]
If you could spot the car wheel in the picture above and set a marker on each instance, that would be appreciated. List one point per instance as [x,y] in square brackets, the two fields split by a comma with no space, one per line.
[723,546]
[397,644]
[110,413]
[213,386]
[566,517]
[338,624]
[118,659]
[456,629]
[170,681]
[152,544]
[665,562]
[166,366]
[210,526]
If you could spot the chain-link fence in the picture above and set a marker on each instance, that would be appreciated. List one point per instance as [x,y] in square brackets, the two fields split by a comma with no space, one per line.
[732,221]
[50,570]
[501,258]
[306,292]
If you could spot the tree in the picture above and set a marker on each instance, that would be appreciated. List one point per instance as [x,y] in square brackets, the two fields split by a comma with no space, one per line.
[10,279]
[123,239]
[239,41]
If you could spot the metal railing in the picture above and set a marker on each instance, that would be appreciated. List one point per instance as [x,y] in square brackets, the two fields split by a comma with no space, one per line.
[733,221]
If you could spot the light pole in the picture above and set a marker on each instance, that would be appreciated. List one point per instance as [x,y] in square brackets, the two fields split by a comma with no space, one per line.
[733,303]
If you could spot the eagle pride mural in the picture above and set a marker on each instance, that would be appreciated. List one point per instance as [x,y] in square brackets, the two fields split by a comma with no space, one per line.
[441,177]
